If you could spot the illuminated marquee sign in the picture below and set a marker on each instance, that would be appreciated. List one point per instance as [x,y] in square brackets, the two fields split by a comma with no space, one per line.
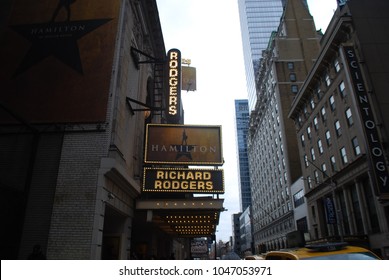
[183,144]
[183,180]
[173,111]
[374,146]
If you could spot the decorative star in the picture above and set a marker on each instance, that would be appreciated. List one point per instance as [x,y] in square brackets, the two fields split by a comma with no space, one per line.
[58,39]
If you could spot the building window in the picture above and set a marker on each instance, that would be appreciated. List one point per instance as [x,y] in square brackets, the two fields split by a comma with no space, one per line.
[292,77]
[349,117]
[338,128]
[332,102]
[342,89]
[337,65]
[356,147]
[320,146]
[327,80]
[324,168]
[333,163]
[309,182]
[313,157]
[295,88]
[318,94]
[328,138]
[298,198]
[309,132]
[315,123]
[305,111]
[323,114]
[290,65]
[306,162]
[343,155]
[299,121]
[317,178]
[312,103]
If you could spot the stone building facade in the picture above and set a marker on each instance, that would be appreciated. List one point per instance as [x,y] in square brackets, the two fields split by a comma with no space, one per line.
[272,145]
[341,117]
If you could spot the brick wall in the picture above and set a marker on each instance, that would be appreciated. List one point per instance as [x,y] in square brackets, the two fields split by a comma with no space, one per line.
[73,215]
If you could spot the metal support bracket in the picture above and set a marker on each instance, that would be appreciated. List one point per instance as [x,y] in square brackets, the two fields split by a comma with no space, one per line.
[145,106]
[136,55]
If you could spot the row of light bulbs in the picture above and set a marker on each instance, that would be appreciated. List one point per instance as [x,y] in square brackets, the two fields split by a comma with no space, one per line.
[194,227]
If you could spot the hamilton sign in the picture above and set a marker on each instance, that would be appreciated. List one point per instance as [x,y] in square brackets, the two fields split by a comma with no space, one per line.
[183,144]
[57,56]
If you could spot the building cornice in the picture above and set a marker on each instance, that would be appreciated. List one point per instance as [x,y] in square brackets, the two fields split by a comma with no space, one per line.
[338,32]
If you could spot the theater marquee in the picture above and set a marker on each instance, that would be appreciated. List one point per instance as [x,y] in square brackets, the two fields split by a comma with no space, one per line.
[183,180]
[183,145]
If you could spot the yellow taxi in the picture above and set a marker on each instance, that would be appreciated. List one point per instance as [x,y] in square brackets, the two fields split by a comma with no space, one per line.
[324,251]
[254,257]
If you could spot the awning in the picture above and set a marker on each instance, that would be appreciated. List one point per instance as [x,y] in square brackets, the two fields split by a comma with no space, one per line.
[192,217]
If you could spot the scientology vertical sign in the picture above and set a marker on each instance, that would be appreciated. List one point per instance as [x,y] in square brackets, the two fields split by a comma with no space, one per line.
[374,146]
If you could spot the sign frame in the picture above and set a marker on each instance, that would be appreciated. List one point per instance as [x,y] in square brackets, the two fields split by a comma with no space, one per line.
[174,144]
[183,180]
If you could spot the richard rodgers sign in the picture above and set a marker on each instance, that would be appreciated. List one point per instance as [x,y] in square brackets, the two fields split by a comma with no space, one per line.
[183,180]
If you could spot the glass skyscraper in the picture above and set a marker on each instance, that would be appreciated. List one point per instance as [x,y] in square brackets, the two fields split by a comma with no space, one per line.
[242,125]
[258,19]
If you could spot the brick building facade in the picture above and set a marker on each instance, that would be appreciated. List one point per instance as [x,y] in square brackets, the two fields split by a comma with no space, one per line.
[71,145]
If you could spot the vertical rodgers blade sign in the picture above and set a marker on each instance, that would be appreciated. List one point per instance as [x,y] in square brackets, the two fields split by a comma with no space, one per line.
[173,110]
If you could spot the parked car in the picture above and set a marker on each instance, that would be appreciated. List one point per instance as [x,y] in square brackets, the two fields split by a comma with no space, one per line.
[323,251]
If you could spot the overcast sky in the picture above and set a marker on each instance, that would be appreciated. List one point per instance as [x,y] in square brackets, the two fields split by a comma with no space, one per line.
[208,33]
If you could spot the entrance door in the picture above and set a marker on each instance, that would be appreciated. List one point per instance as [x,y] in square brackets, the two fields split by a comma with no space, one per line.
[112,232]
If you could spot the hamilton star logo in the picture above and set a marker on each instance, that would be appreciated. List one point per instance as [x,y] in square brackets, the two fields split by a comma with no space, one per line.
[183,149]
[58,39]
